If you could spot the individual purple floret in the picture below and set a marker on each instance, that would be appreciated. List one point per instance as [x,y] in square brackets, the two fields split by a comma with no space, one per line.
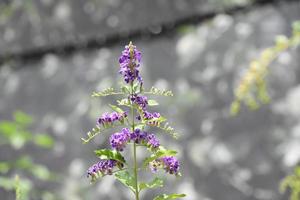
[105,167]
[129,63]
[171,164]
[119,140]
[107,118]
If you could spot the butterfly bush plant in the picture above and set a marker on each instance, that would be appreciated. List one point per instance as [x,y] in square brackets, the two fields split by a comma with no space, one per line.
[131,114]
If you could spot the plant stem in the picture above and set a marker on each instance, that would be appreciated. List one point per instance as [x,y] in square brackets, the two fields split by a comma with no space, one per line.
[135,168]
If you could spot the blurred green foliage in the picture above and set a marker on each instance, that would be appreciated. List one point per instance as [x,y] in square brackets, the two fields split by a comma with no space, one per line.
[252,89]
[292,183]
[10,9]
[14,136]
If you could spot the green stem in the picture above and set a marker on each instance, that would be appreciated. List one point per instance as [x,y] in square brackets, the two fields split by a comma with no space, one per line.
[135,169]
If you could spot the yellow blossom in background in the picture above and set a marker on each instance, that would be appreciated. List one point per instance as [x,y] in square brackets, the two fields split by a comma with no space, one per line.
[252,89]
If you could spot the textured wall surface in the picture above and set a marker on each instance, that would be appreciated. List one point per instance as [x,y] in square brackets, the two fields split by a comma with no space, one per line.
[223,157]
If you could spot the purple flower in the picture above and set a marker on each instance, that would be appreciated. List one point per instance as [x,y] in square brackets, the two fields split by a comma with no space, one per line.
[155,165]
[103,166]
[129,63]
[142,137]
[147,115]
[119,140]
[152,141]
[142,101]
[171,164]
[138,136]
[107,118]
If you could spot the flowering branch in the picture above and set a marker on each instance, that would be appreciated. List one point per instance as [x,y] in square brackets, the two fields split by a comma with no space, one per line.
[134,132]
[252,89]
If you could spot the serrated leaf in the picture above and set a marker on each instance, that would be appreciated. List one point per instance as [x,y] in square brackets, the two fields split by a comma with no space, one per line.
[126,89]
[159,120]
[169,196]
[95,131]
[164,126]
[110,154]
[106,92]
[126,178]
[91,134]
[116,108]
[123,102]
[152,102]
[157,182]
[156,91]
[160,153]
[140,126]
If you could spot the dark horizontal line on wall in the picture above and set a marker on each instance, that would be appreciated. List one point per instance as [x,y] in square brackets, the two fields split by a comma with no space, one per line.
[144,32]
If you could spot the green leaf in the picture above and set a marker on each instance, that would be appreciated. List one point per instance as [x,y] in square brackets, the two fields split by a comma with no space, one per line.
[152,102]
[106,92]
[25,162]
[160,119]
[41,172]
[169,196]
[17,141]
[292,182]
[156,91]
[110,154]
[123,102]
[160,153]
[297,171]
[22,118]
[43,140]
[140,126]
[8,128]
[116,108]
[95,131]
[165,127]
[7,183]
[91,134]
[4,167]
[136,87]
[126,178]
[157,182]
[126,89]
[10,184]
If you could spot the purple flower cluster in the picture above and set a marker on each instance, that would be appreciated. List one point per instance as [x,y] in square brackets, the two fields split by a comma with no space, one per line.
[107,118]
[142,101]
[129,63]
[152,141]
[119,140]
[148,115]
[142,137]
[104,167]
[169,163]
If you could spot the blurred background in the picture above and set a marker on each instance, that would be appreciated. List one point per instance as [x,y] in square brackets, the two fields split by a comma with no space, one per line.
[54,53]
